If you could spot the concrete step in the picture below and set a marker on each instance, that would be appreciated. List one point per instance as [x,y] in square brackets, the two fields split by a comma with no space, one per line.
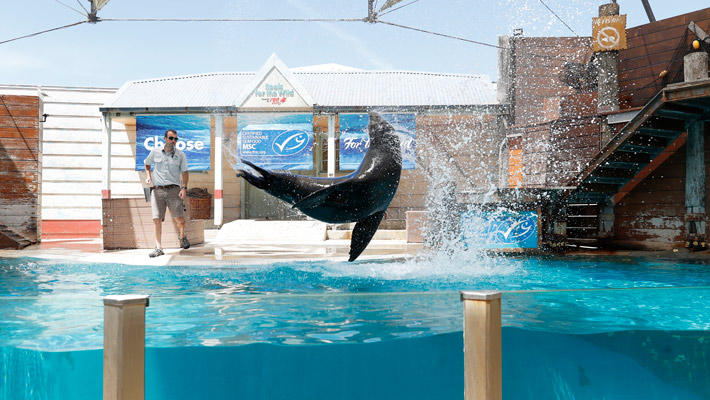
[381,234]
[273,231]
[292,231]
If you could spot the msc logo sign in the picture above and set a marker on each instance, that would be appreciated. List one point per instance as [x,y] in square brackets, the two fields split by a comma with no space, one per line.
[290,142]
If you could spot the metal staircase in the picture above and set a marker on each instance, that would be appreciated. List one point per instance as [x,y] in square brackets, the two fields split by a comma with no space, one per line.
[653,135]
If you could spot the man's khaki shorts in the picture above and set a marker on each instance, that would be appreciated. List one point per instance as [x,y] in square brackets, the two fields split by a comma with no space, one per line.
[161,197]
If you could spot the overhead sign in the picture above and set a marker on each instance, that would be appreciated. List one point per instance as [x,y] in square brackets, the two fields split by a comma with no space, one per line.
[193,131]
[275,91]
[276,141]
[354,139]
[609,33]
[500,229]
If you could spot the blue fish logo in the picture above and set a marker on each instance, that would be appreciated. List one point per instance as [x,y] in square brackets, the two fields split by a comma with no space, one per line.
[290,142]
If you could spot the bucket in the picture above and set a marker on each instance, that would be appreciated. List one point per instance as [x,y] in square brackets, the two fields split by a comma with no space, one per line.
[200,208]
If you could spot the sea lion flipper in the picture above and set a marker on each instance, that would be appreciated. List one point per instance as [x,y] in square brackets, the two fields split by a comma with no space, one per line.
[262,181]
[362,234]
[316,198]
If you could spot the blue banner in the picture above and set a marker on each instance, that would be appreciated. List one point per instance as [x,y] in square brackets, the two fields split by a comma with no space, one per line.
[500,229]
[354,140]
[276,141]
[193,131]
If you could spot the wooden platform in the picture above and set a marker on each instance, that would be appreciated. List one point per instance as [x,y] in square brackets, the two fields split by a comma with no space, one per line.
[128,224]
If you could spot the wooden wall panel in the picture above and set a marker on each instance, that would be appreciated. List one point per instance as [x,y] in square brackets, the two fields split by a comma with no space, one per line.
[128,224]
[652,215]
[539,62]
[652,48]
[20,166]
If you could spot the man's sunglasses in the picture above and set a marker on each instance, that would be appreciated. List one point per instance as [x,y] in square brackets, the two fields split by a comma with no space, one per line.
[173,138]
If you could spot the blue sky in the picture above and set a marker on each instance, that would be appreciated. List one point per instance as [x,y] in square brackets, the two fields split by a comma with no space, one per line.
[109,53]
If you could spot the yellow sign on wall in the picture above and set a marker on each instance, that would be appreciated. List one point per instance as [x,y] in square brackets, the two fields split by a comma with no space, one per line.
[609,33]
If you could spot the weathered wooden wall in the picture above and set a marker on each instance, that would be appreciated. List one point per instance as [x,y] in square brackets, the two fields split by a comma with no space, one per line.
[539,65]
[460,149]
[653,48]
[20,167]
[71,159]
[555,131]
[652,214]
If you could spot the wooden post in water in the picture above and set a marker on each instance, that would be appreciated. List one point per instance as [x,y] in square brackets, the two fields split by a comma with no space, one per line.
[695,68]
[124,347]
[483,367]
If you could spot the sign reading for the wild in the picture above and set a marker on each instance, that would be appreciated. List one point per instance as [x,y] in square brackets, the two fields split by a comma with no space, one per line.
[609,33]
[354,139]
[276,141]
[500,229]
[193,131]
[275,91]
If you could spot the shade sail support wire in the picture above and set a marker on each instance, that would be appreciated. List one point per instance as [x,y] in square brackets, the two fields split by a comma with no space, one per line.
[71,8]
[558,17]
[42,32]
[439,34]
[232,20]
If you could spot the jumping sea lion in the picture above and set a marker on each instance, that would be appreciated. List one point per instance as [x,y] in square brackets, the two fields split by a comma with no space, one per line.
[362,196]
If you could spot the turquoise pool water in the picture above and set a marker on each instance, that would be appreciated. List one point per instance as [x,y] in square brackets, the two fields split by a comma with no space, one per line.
[573,328]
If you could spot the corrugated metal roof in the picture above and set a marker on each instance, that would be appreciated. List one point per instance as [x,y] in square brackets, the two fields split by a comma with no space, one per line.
[328,89]
[397,88]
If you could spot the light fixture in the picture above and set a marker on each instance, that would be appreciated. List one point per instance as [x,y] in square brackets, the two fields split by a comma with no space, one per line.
[44,117]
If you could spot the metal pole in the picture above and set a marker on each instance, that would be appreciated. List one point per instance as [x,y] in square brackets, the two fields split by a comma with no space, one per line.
[649,11]
[218,180]
[331,145]
[106,157]
[124,347]
[483,376]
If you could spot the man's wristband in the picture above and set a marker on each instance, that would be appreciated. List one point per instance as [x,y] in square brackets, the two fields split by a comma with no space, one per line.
[184,187]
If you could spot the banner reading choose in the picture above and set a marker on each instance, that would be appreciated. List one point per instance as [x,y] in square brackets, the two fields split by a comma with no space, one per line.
[193,131]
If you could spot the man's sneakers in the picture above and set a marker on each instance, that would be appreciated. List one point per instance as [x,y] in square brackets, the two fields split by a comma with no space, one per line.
[157,252]
[184,243]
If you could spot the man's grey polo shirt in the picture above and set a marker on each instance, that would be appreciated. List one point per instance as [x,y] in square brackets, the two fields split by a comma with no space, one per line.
[168,166]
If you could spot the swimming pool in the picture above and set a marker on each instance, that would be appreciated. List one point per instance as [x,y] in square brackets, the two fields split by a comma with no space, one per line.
[572,328]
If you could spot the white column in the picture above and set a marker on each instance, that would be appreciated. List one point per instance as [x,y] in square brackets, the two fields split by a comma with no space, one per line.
[106,156]
[331,145]
[218,191]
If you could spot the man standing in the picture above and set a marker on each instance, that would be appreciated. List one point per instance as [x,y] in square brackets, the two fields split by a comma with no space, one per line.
[170,163]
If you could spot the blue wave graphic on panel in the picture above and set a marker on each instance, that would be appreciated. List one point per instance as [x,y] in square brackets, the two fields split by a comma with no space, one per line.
[194,132]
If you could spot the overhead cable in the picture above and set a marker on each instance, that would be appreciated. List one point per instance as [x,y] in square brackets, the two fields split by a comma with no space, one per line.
[232,20]
[395,9]
[71,8]
[558,17]
[438,34]
[39,33]
[82,6]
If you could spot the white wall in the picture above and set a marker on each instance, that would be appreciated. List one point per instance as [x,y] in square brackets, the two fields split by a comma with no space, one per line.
[71,152]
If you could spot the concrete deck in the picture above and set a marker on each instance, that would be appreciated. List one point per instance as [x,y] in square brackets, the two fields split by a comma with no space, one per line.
[216,250]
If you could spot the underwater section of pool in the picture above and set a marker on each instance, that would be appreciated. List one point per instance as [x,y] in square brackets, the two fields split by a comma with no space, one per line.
[572,328]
